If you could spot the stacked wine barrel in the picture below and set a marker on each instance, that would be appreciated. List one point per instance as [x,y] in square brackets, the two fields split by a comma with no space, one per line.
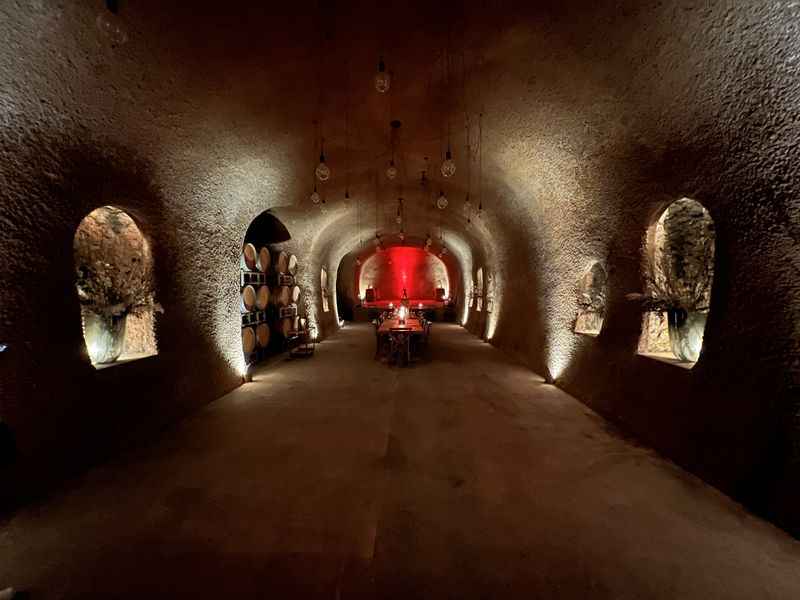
[269,297]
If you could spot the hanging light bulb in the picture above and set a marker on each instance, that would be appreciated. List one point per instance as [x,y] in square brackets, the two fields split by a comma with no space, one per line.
[428,241]
[391,170]
[315,197]
[110,24]
[441,202]
[402,235]
[358,261]
[444,251]
[449,165]
[382,79]
[323,172]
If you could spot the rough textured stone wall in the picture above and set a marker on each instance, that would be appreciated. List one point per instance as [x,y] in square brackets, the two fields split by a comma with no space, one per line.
[614,112]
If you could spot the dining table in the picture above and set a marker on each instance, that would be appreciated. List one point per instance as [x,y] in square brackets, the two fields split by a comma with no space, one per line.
[398,340]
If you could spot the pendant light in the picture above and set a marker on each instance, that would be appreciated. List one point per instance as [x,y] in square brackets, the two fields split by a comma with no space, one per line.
[110,24]
[449,165]
[315,197]
[323,172]
[391,170]
[382,78]
[441,201]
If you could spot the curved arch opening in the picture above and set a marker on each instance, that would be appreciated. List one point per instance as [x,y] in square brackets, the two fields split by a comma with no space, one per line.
[678,273]
[592,291]
[116,287]
[323,286]
[269,294]
[479,289]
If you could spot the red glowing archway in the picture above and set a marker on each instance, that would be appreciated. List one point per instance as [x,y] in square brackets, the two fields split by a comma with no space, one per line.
[397,268]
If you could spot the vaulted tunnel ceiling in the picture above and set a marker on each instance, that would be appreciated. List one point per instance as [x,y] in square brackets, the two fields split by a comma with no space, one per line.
[596,115]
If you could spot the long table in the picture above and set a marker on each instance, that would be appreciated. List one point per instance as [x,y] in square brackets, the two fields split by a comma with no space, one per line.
[395,339]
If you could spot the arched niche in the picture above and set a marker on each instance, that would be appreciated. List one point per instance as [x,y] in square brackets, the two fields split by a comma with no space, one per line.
[264,289]
[678,273]
[323,286]
[115,286]
[479,289]
[490,292]
[591,293]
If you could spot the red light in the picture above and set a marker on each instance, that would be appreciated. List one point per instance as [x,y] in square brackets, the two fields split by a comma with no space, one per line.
[403,267]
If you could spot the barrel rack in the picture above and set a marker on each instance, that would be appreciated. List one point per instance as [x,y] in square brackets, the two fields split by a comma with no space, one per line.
[261,270]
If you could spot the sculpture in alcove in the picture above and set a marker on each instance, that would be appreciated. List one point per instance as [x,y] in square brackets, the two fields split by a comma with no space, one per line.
[115,286]
[591,301]
[323,280]
[678,272]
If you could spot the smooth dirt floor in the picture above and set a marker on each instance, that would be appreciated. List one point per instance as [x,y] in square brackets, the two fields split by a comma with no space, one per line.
[462,476]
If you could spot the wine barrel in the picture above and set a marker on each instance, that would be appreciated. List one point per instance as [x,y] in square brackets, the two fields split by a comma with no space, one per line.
[249,257]
[288,325]
[248,340]
[264,260]
[281,296]
[291,266]
[262,297]
[262,335]
[281,262]
[295,294]
[248,298]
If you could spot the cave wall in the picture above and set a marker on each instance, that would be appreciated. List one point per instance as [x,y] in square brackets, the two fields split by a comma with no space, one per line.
[168,128]
[673,100]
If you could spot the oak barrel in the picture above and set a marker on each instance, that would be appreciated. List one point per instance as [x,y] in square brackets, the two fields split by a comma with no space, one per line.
[248,340]
[248,298]
[249,257]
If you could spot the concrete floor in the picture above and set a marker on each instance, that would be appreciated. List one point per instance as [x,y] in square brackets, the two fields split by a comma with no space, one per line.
[339,477]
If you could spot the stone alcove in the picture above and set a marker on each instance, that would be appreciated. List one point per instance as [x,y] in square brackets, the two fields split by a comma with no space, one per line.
[115,286]
[323,283]
[479,289]
[592,291]
[678,273]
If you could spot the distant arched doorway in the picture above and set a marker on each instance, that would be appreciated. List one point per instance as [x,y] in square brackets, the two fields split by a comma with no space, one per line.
[422,275]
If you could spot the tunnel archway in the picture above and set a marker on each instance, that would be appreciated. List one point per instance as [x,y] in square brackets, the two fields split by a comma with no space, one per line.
[116,287]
